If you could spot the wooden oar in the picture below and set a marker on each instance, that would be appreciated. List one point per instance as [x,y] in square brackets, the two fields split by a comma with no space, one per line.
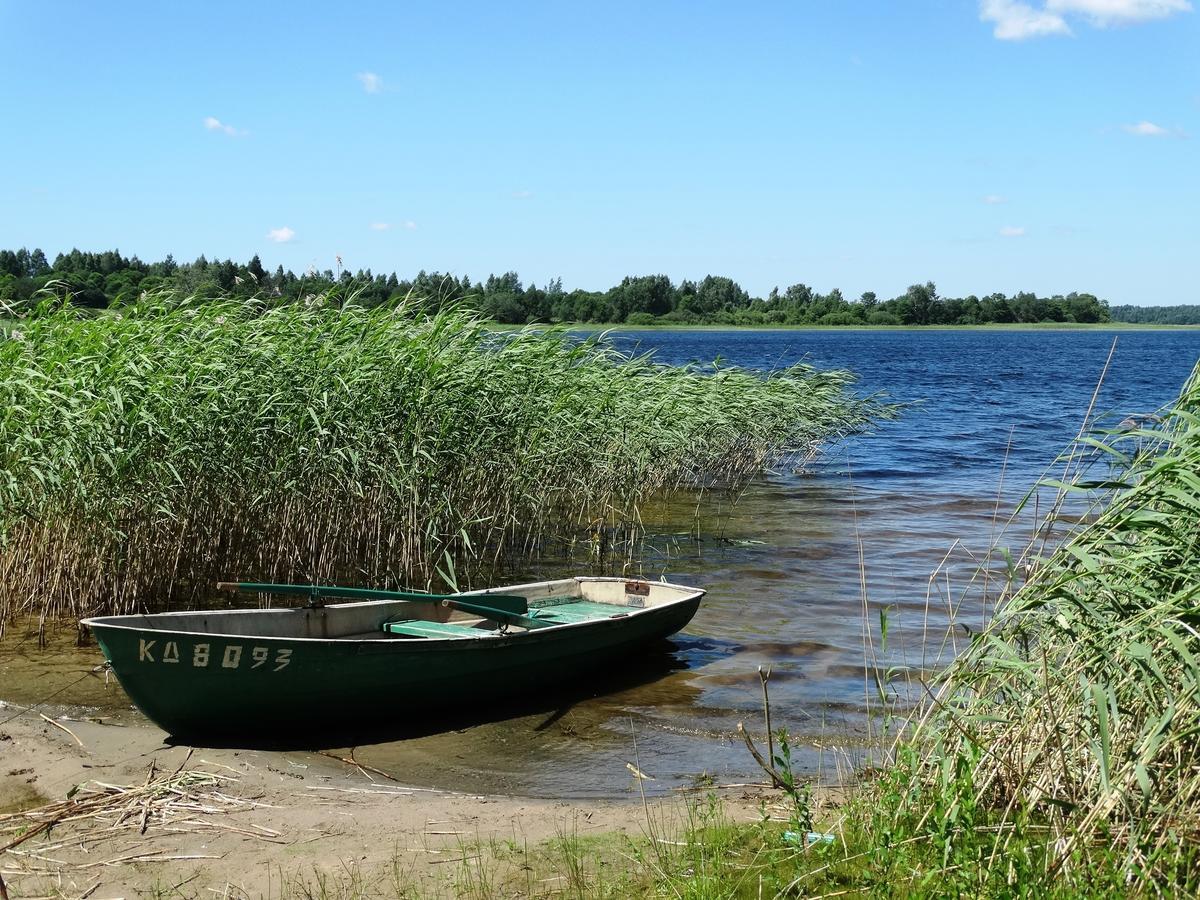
[507,604]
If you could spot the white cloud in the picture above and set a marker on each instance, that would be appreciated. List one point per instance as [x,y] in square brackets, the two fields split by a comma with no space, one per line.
[1146,129]
[1012,231]
[522,195]
[281,235]
[1103,13]
[371,82]
[212,123]
[407,224]
[993,199]
[1016,21]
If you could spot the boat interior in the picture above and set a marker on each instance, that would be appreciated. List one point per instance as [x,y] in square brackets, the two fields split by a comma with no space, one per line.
[470,615]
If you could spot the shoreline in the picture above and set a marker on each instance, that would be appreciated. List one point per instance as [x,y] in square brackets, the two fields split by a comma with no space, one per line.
[7,323]
[261,822]
[435,752]
[1030,326]
[267,818]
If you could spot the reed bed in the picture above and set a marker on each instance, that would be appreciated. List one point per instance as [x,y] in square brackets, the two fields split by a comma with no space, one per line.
[149,452]
[1061,753]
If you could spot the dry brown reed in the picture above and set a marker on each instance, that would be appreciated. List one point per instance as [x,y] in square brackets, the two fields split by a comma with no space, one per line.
[101,825]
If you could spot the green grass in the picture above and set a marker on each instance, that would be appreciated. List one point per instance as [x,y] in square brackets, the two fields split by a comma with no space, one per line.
[149,452]
[709,856]
[706,855]
[1076,715]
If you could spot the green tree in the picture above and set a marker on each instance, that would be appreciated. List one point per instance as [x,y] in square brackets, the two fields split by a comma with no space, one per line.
[256,270]
[226,273]
[653,294]
[922,303]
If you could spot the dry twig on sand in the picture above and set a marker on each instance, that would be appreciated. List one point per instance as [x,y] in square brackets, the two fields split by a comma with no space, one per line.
[95,813]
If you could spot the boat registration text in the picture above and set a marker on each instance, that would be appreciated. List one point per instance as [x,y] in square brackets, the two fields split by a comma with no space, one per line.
[202,655]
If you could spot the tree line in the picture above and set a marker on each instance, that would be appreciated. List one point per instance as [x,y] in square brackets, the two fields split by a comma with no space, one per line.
[105,279]
[1182,314]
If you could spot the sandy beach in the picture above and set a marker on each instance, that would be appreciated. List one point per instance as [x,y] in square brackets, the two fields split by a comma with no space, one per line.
[260,823]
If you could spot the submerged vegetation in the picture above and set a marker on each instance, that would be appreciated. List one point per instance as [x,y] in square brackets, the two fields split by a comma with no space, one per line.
[1059,755]
[148,453]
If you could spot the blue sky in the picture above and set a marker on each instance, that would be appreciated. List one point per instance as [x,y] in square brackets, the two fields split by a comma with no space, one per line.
[1048,145]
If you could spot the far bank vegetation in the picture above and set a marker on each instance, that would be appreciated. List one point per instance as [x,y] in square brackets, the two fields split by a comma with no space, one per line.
[108,279]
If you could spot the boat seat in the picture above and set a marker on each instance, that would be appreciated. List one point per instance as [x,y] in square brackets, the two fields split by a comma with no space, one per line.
[421,628]
[579,611]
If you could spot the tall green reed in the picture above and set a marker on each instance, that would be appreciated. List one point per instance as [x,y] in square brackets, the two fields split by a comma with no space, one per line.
[150,451]
[1068,732]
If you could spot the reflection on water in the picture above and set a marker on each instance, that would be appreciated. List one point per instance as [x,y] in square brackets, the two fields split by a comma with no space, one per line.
[802,569]
[925,498]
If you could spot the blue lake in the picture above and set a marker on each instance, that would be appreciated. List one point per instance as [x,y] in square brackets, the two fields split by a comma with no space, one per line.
[980,392]
[800,569]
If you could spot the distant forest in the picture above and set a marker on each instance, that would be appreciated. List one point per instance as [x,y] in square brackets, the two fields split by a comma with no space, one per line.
[1157,315]
[100,280]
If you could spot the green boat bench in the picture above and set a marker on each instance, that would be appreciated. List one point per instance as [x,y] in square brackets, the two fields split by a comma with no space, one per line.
[422,629]
[577,611]
[566,611]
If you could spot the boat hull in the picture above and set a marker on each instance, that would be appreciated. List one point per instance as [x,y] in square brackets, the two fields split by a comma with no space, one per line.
[196,684]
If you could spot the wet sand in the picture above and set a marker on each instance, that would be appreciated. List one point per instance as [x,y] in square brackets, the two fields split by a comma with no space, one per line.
[293,815]
[288,813]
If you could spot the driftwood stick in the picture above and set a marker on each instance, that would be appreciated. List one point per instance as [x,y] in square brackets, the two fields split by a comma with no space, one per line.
[770,770]
[148,798]
[63,727]
[351,761]
[191,750]
[36,830]
[764,675]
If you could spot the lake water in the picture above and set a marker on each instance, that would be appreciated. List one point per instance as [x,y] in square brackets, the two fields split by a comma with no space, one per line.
[921,495]
[799,571]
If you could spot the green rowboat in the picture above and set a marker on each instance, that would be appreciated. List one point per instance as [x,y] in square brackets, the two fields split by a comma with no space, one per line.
[386,653]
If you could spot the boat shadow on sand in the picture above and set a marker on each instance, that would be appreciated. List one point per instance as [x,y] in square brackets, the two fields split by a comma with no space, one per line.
[653,663]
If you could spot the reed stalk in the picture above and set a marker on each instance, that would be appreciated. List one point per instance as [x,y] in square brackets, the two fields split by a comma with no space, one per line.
[1072,723]
[148,452]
